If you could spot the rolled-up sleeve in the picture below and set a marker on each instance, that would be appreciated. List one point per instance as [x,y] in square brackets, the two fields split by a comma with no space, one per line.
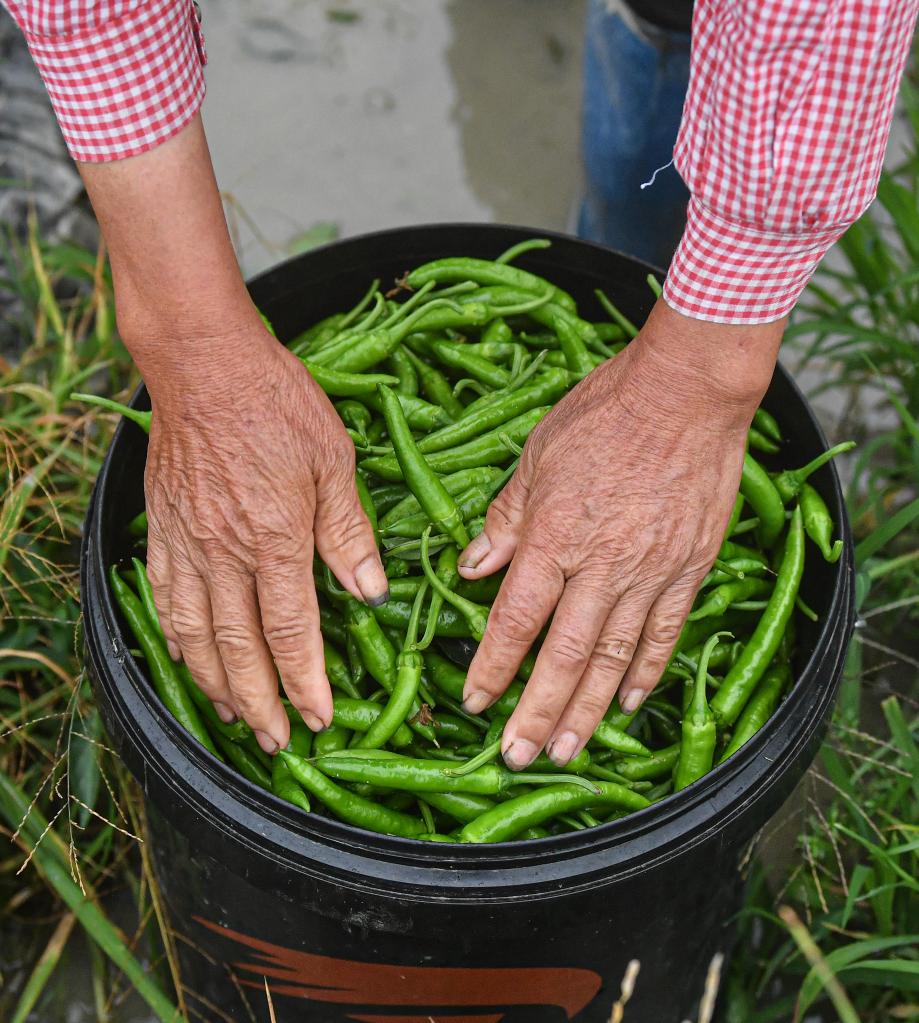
[781,144]
[123,75]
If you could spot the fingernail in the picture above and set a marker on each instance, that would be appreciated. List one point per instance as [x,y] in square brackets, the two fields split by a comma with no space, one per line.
[520,754]
[372,582]
[563,749]
[313,723]
[174,652]
[632,700]
[476,702]
[475,552]
[225,713]
[267,743]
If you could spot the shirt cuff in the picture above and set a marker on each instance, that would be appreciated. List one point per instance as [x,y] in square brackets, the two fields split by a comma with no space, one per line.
[726,272]
[124,86]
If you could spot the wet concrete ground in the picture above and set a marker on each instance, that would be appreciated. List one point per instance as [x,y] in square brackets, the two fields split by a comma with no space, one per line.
[412,111]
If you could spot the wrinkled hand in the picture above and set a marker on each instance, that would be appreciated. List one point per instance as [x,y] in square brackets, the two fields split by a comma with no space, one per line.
[614,516]
[244,477]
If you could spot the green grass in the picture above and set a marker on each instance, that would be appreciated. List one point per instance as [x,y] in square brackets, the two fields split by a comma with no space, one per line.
[833,936]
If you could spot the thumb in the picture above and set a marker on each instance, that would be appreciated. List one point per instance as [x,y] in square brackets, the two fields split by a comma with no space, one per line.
[345,540]
[494,547]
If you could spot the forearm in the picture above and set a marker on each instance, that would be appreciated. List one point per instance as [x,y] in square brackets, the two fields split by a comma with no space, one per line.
[180,298]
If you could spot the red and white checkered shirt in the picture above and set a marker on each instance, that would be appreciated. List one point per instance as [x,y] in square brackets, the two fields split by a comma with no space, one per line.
[783,134]
[784,130]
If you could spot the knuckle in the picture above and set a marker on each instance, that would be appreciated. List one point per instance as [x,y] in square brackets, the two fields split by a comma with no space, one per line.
[286,638]
[513,622]
[191,630]
[663,633]
[236,644]
[613,656]
[568,652]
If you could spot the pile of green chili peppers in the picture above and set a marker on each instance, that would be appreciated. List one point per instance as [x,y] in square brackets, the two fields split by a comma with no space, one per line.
[439,391]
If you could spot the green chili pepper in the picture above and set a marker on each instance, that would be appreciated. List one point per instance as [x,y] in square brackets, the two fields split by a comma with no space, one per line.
[349,807]
[337,671]
[449,623]
[332,625]
[767,425]
[486,272]
[435,386]
[660,763]
[163,670]
[359,716]
[448,573]
[356,351]
[611,737]
[318,334]
[487,449]
[760,442]
[458,356]
[476,615]
[387,497]
[741,680]
[237,730]
[354,415]
[461,806]
[456,483]
[697,749]
[414,775]
[138,525]
[548,387]
[818,523]
[759,709]
[245,761]
[723,596]
[363,495]
[331,740]
[452,728]
[420,414]
[504,821]
[620,318]
[403,369]
[408,678]
[789,482]
[760,493]
[423,482]
[285,786]
[340,384]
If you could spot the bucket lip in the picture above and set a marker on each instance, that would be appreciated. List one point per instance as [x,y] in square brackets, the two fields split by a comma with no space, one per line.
[309,843]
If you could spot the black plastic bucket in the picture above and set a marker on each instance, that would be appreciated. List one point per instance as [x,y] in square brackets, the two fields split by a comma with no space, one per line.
[347,925]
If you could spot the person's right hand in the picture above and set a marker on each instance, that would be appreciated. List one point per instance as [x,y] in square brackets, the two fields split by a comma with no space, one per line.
[248,469]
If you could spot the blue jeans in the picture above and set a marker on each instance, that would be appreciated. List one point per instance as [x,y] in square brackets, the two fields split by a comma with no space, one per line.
[635,78]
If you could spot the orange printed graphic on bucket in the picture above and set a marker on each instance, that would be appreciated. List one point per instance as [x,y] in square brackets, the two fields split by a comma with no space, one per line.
[442,994]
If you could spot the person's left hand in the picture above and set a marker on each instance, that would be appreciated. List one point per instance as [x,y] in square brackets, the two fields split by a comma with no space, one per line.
[615,514]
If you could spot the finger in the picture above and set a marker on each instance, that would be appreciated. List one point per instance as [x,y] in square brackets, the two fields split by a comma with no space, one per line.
[494,547]
[527,597]
[192,624]
[658,638]
[246,657]
[290,623]
[611,656]
[565,654]
[345,540]
[159,572]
